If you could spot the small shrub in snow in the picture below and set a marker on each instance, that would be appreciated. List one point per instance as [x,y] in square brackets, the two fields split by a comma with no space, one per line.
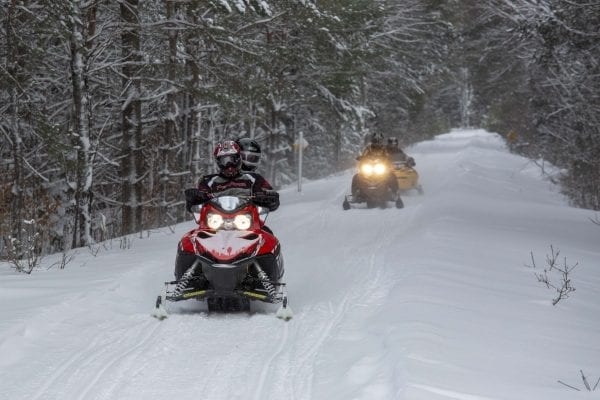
[555,275]
[65,259]
[125,243]
[25,253]
[94,249]
[586,384]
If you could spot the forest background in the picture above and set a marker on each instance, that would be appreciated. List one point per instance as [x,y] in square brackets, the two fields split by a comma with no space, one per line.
[109,109]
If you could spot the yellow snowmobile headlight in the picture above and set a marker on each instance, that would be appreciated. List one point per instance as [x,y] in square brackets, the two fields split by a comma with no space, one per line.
[214,221]
[242,221]
[379,169]
[373,168]
[366,169]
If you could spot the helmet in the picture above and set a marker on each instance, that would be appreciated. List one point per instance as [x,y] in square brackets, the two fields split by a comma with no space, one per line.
[377,138]
[250,152]
[228,158]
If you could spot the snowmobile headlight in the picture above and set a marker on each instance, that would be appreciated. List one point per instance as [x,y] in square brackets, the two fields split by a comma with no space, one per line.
[379,169]
[242,221]
[214,221]
[366,169]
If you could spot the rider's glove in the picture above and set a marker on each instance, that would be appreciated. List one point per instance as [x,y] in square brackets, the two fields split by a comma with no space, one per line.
[194,197]
[269,200]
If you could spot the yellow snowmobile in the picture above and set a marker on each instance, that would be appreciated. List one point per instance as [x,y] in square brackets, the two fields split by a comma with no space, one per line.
[406,175]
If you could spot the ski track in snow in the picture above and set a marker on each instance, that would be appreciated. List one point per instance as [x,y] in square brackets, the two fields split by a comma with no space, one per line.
[99,366]
[353,295]
[264,375]
[326,316]
[121,360]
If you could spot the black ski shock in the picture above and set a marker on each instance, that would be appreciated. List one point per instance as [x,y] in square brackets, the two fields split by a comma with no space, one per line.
[185,279]
[264,279]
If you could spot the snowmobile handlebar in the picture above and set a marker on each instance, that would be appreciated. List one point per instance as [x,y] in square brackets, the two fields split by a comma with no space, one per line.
[196,196]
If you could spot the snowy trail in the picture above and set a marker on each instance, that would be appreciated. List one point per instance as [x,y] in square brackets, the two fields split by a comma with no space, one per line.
[127,356]
[428,302]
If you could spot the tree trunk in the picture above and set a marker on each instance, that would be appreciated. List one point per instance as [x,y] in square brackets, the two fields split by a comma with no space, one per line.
[169,119]
[84,173]
[16,212]
[131,157]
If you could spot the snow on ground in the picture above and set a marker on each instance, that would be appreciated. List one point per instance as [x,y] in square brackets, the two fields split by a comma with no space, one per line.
[432,302]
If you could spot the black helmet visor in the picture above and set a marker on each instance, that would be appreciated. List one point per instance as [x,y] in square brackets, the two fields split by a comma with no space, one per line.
[229,160]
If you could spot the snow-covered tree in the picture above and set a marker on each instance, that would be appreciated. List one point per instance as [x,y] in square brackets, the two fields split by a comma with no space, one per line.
[559,44]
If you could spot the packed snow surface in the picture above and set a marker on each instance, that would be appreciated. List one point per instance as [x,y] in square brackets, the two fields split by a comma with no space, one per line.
[430,302]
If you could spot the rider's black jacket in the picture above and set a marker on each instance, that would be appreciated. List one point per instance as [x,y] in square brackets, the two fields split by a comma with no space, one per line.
[248,183]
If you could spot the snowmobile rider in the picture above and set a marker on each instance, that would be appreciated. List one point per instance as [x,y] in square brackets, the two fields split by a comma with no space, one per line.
[396,154]
[376,148]
[232,180]
[250,152]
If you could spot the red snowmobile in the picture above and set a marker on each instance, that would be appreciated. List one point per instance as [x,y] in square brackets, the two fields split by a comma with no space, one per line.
[229,260]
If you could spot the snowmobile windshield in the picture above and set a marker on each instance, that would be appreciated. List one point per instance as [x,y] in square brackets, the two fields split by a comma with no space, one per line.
[230,203]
